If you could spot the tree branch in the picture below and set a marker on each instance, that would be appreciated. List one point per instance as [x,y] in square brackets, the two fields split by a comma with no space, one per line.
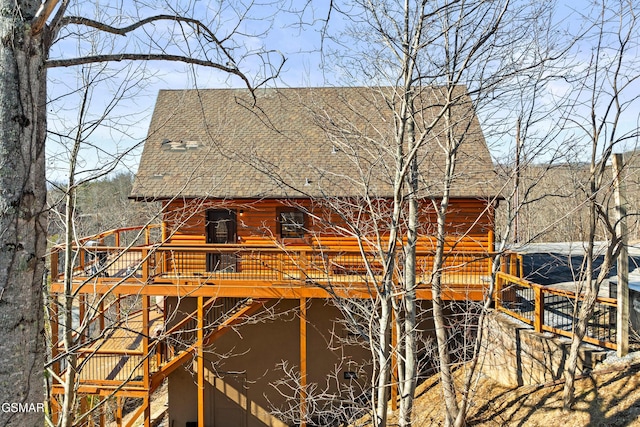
[54,63]
[45,10]
[199,26]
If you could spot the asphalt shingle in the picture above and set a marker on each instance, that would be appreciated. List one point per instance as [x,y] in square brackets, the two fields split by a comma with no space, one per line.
[305,142]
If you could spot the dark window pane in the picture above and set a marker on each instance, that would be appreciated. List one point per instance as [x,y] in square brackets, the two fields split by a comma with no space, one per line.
[291,224]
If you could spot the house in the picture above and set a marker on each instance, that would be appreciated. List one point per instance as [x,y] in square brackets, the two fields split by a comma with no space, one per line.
[271,205]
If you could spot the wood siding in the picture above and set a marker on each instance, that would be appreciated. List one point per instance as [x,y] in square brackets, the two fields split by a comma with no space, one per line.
[469,224]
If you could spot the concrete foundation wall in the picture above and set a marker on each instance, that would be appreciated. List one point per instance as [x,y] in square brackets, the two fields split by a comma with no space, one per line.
[515,355]
[242,367]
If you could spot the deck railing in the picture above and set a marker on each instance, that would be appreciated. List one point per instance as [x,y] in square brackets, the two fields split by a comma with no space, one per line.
[95,259]
[184,333]
[553,310]
[93,320]
[112,367]
[110,253]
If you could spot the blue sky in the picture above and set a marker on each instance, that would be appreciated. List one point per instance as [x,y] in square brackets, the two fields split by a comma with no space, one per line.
[278,33]
[272,30]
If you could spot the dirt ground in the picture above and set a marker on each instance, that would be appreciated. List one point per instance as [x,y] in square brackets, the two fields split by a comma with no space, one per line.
[610,396]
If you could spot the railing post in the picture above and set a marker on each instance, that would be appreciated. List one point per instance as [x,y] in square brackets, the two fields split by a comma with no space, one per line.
[82,253]
[145,340]
[497,298]
[101,308]
[54,319]
[145,266]
[304,264]
[53,267]
[538,319]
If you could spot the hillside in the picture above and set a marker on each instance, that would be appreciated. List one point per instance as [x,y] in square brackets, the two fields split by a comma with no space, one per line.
[610,396]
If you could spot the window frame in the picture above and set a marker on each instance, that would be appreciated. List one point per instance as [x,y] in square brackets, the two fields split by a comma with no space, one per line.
[299,227]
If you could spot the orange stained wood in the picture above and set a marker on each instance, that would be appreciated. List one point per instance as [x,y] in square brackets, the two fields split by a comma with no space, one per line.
[116,364]
[117,357]
[179,359]
[267,271]
[200,361]
[303,361]
[185,220]
[265,290]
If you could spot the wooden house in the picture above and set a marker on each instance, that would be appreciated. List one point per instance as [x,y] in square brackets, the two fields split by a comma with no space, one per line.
[271,209]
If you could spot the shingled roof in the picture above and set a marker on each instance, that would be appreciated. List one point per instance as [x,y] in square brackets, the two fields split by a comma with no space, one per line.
[309,142]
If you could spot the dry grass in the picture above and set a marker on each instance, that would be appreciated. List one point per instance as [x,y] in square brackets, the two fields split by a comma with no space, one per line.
[610,396]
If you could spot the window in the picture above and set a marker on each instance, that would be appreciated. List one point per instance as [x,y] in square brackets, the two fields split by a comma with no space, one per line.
[291,223]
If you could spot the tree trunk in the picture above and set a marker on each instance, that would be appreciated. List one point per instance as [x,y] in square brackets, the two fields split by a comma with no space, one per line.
[407,362]
[407,359]
[22,214]
[382,381]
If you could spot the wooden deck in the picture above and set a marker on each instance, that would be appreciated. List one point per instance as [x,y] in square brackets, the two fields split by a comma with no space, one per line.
[262,270]
[115,357]
[126,358]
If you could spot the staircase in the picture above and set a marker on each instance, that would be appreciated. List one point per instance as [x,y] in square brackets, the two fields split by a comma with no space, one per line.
[115,363]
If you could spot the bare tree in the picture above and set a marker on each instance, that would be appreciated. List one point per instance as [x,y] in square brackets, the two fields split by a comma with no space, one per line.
[430,73]
[30,30]
[75,332]
[416,47]
[604,95]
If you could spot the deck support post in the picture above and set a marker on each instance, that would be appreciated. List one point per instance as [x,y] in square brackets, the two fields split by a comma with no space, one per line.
[147,410]
[84,409]
[103,411]
[147,358]
[145,340]
[303,362]
[55,410]
[200,362]
[118,415]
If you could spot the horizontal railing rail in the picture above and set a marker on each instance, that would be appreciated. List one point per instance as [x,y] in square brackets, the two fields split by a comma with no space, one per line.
[112,367]
[553,310]
[276,264]
[144,257]
[101,254]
